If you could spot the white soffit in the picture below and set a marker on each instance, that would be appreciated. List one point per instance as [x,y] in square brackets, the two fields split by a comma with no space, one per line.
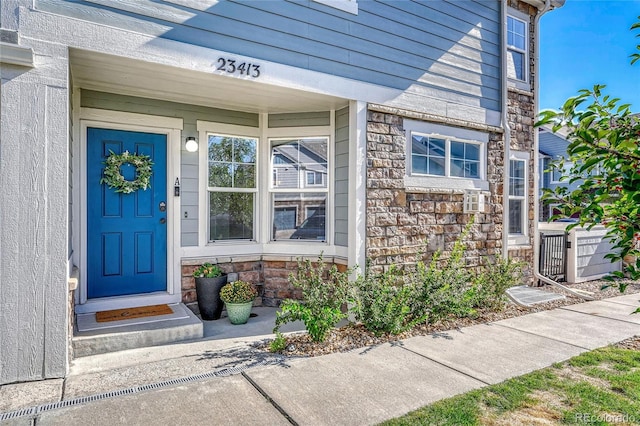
[114,74]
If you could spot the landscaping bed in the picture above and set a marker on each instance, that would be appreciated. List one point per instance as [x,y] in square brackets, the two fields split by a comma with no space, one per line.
[353,336]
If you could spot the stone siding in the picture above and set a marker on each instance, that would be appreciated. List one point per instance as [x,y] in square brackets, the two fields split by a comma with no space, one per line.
[521,117]
[405,224]
[270,275]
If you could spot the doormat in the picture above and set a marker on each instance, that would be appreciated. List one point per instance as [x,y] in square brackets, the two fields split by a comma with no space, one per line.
[129,313]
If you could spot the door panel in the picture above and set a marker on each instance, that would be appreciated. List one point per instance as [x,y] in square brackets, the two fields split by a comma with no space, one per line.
[126,233]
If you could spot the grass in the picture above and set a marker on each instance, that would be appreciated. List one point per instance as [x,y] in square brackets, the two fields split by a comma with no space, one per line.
[597,388]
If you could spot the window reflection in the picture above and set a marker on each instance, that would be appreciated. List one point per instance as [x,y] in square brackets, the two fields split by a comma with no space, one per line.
[299,189]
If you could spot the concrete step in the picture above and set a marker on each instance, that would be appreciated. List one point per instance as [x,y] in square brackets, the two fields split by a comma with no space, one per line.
[92,338]
[528,296]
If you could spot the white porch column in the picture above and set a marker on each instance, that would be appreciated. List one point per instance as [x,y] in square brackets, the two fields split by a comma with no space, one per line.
[357,183]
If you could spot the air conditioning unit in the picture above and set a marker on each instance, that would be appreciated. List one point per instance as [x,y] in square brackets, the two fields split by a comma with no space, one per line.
[473,202]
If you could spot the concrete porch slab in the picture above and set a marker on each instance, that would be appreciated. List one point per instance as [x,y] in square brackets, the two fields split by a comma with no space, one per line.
[490,352]
[87,322]
[261,324]
[607,309]
[576,328]
[360,387]
[151,333]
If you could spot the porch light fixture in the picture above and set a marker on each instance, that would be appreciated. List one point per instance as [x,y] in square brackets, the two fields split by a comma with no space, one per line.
[191,144]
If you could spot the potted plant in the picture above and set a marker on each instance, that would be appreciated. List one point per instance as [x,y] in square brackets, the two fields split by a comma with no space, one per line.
[209,280]
[238,298]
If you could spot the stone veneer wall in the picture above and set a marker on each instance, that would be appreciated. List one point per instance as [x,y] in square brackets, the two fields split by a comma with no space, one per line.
[404,223]
[521,119]
[270,274]
[522,116]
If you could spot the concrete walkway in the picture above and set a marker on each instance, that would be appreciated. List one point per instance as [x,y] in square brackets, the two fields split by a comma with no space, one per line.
[229,382]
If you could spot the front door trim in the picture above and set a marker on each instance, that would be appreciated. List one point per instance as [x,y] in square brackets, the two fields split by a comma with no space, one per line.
[172,128]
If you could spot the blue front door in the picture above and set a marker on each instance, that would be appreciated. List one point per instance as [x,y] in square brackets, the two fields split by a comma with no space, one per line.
[126,233]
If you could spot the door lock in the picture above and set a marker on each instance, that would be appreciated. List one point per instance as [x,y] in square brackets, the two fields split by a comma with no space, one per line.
[162,206]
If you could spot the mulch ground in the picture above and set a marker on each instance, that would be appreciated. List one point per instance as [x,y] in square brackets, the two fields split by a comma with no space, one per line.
[354,336]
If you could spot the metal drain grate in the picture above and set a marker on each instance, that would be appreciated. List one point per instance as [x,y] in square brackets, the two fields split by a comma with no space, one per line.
[18,413]
[34,411]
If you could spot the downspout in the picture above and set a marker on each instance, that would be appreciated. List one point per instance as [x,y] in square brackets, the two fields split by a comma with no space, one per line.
[507,134]
[536,181]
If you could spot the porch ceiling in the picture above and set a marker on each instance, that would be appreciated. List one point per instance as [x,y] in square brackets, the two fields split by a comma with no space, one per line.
[107,73]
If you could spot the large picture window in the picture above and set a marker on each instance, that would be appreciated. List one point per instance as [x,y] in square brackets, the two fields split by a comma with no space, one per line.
[232,187]
[517,49]
[299,171]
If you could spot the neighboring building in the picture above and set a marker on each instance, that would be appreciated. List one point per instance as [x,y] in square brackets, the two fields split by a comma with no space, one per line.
[552,148]
[377,128]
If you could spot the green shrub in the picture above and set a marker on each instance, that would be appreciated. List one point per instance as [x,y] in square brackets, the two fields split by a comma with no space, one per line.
[324,292]
[443,288]
[278,344]
[494,280]
[383,302]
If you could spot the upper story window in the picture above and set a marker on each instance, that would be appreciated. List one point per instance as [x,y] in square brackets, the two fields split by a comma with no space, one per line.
[439,153]
[517,49]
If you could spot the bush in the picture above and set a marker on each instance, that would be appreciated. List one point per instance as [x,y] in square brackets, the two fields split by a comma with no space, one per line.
[444,290]
[494,280]
[383,302]
[324,292]
[278,344]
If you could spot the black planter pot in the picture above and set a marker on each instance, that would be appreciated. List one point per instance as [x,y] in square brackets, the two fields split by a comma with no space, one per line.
[208,291]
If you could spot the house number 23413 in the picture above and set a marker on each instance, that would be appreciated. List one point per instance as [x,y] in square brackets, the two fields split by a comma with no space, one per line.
[232,66]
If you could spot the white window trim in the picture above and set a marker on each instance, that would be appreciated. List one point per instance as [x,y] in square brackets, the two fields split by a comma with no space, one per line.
[350,6]
[204,130]
[448,133]
[524,18]
[264,217]
[305,189]
[211,189]
[523,238]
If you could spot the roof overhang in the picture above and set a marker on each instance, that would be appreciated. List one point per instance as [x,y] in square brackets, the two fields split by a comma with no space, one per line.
[126,76]
[541,3]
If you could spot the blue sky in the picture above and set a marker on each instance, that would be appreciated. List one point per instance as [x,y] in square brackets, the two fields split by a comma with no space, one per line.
[588,42]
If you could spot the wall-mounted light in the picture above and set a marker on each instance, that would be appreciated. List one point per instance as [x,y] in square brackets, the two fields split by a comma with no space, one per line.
[191,144]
